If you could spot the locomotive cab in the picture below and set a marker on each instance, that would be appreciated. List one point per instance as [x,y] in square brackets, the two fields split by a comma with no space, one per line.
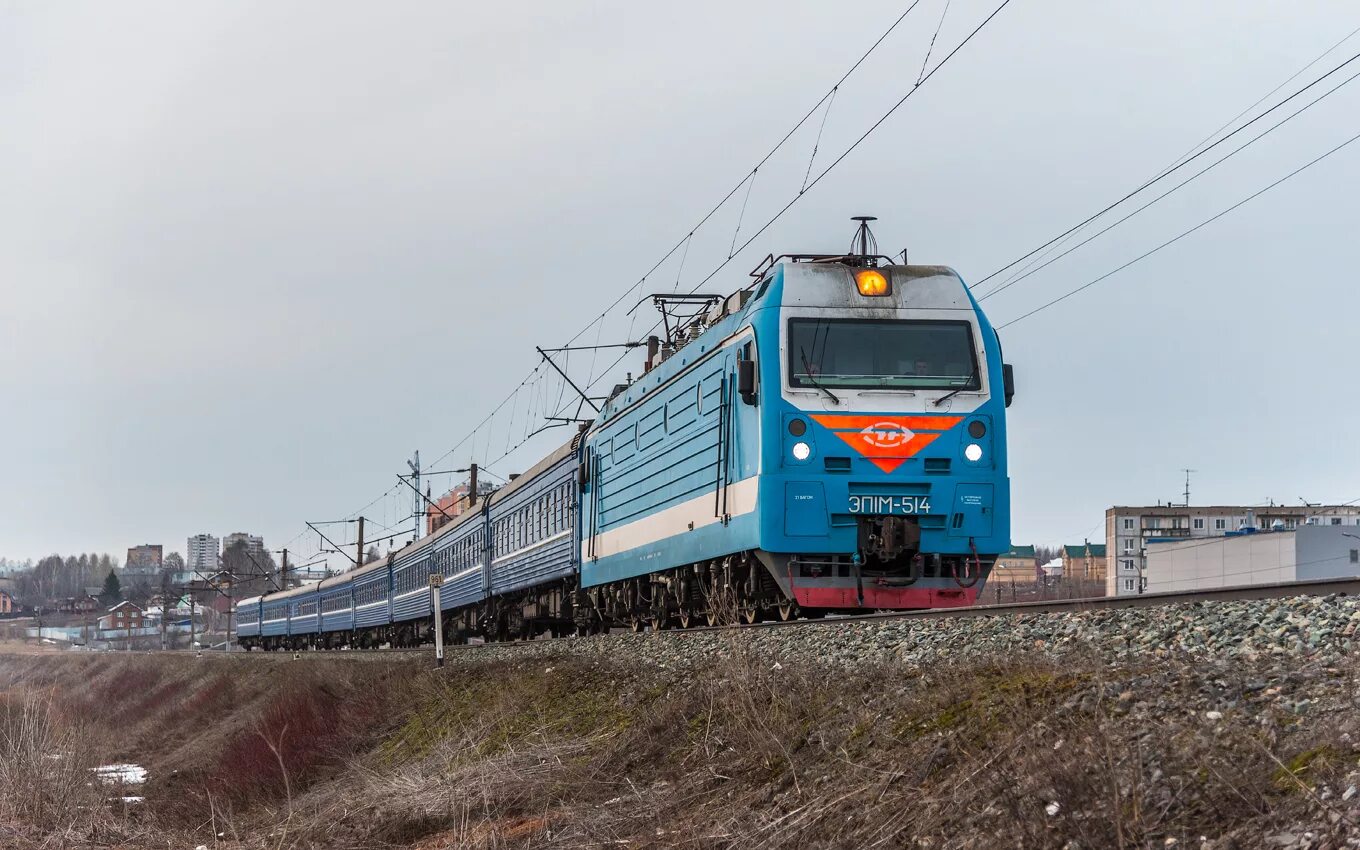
[884,466]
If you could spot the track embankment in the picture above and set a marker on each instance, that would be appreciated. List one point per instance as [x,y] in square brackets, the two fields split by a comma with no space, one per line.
[1223,724]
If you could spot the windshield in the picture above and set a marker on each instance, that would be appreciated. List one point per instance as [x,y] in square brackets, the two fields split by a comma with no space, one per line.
[877,354]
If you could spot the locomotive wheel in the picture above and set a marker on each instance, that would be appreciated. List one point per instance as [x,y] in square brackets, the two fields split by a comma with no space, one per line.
[659,621]
[751,614]
[636,623]
[685,618]
[788,610]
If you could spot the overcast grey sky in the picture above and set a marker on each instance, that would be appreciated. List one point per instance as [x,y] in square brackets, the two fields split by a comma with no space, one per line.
[254,254]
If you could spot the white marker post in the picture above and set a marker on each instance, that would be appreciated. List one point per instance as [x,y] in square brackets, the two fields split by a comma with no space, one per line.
[437,581]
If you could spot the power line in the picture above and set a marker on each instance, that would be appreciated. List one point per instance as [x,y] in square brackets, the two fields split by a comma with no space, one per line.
[1036,269]
[1266,96]
[1182,234]
[1160,176]
[747,176]
[886,115]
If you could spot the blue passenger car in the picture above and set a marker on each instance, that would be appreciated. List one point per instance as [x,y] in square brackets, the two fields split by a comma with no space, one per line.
[337,604]
[248,618]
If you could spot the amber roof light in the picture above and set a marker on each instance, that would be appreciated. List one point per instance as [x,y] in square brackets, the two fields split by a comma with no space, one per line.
[871,282]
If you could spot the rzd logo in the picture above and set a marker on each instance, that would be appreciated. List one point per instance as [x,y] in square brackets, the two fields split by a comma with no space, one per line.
[886,435]
[887,443]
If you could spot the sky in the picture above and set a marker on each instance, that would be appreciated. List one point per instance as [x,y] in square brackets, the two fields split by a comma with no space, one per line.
[253,255]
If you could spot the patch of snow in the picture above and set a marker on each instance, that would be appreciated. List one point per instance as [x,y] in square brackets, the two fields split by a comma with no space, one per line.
[1052,808]
[124,774]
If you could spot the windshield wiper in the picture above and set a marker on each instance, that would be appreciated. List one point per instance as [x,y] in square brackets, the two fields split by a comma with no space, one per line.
[802,353]
[947,396]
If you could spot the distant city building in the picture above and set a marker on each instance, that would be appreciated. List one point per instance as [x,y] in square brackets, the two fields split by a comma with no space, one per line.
[1018,566]
[254,545]
[143,562]
[202,555]
[451,505]
[1129,530]
[1262,557]
[1085,561]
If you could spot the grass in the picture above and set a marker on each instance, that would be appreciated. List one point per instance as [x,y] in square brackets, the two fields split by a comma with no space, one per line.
[568,753]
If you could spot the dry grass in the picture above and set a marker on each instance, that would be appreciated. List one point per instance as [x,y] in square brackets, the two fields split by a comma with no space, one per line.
[45,767]
[749,754]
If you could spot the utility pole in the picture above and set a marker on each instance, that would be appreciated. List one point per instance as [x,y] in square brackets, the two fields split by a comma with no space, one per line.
[472,485]
[417,509]
[359,561]
[283,571]
[191,619]
[231,607]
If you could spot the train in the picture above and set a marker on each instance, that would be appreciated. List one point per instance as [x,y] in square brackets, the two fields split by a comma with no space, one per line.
[829,438]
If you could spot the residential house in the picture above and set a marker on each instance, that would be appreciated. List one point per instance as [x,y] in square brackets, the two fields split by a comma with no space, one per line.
[124,615]
[1018,566]
[1084,561]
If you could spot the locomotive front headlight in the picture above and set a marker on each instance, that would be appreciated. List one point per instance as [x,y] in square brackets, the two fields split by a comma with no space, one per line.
[802,451]
[973,452]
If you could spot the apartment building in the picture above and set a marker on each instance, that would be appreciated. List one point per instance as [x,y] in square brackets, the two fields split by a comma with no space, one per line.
[254,545]
[1129,530]
[143,563]
[202,555]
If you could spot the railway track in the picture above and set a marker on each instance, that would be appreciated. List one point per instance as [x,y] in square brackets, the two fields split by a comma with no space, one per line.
[1315,587]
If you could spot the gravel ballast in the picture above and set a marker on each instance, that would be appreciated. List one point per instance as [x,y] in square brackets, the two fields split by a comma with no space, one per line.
[1313,628]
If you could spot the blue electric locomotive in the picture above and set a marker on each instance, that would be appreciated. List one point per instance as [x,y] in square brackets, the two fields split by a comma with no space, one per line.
[829,438]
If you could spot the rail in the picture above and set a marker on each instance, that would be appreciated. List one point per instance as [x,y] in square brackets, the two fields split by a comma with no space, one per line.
[1349,586]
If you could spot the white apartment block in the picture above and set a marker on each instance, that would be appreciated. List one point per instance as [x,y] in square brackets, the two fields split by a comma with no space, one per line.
[1129,529]
[201,554]
[254,545]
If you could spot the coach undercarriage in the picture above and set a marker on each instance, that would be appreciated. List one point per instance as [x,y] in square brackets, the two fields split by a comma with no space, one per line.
[747,587]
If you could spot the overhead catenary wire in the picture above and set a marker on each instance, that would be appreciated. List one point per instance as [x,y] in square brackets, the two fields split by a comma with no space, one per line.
[1037,257]
[683,243]
[1173,240]
[1160,176]
[931,48]
[820,176]
[1035,270]
[1291,78]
